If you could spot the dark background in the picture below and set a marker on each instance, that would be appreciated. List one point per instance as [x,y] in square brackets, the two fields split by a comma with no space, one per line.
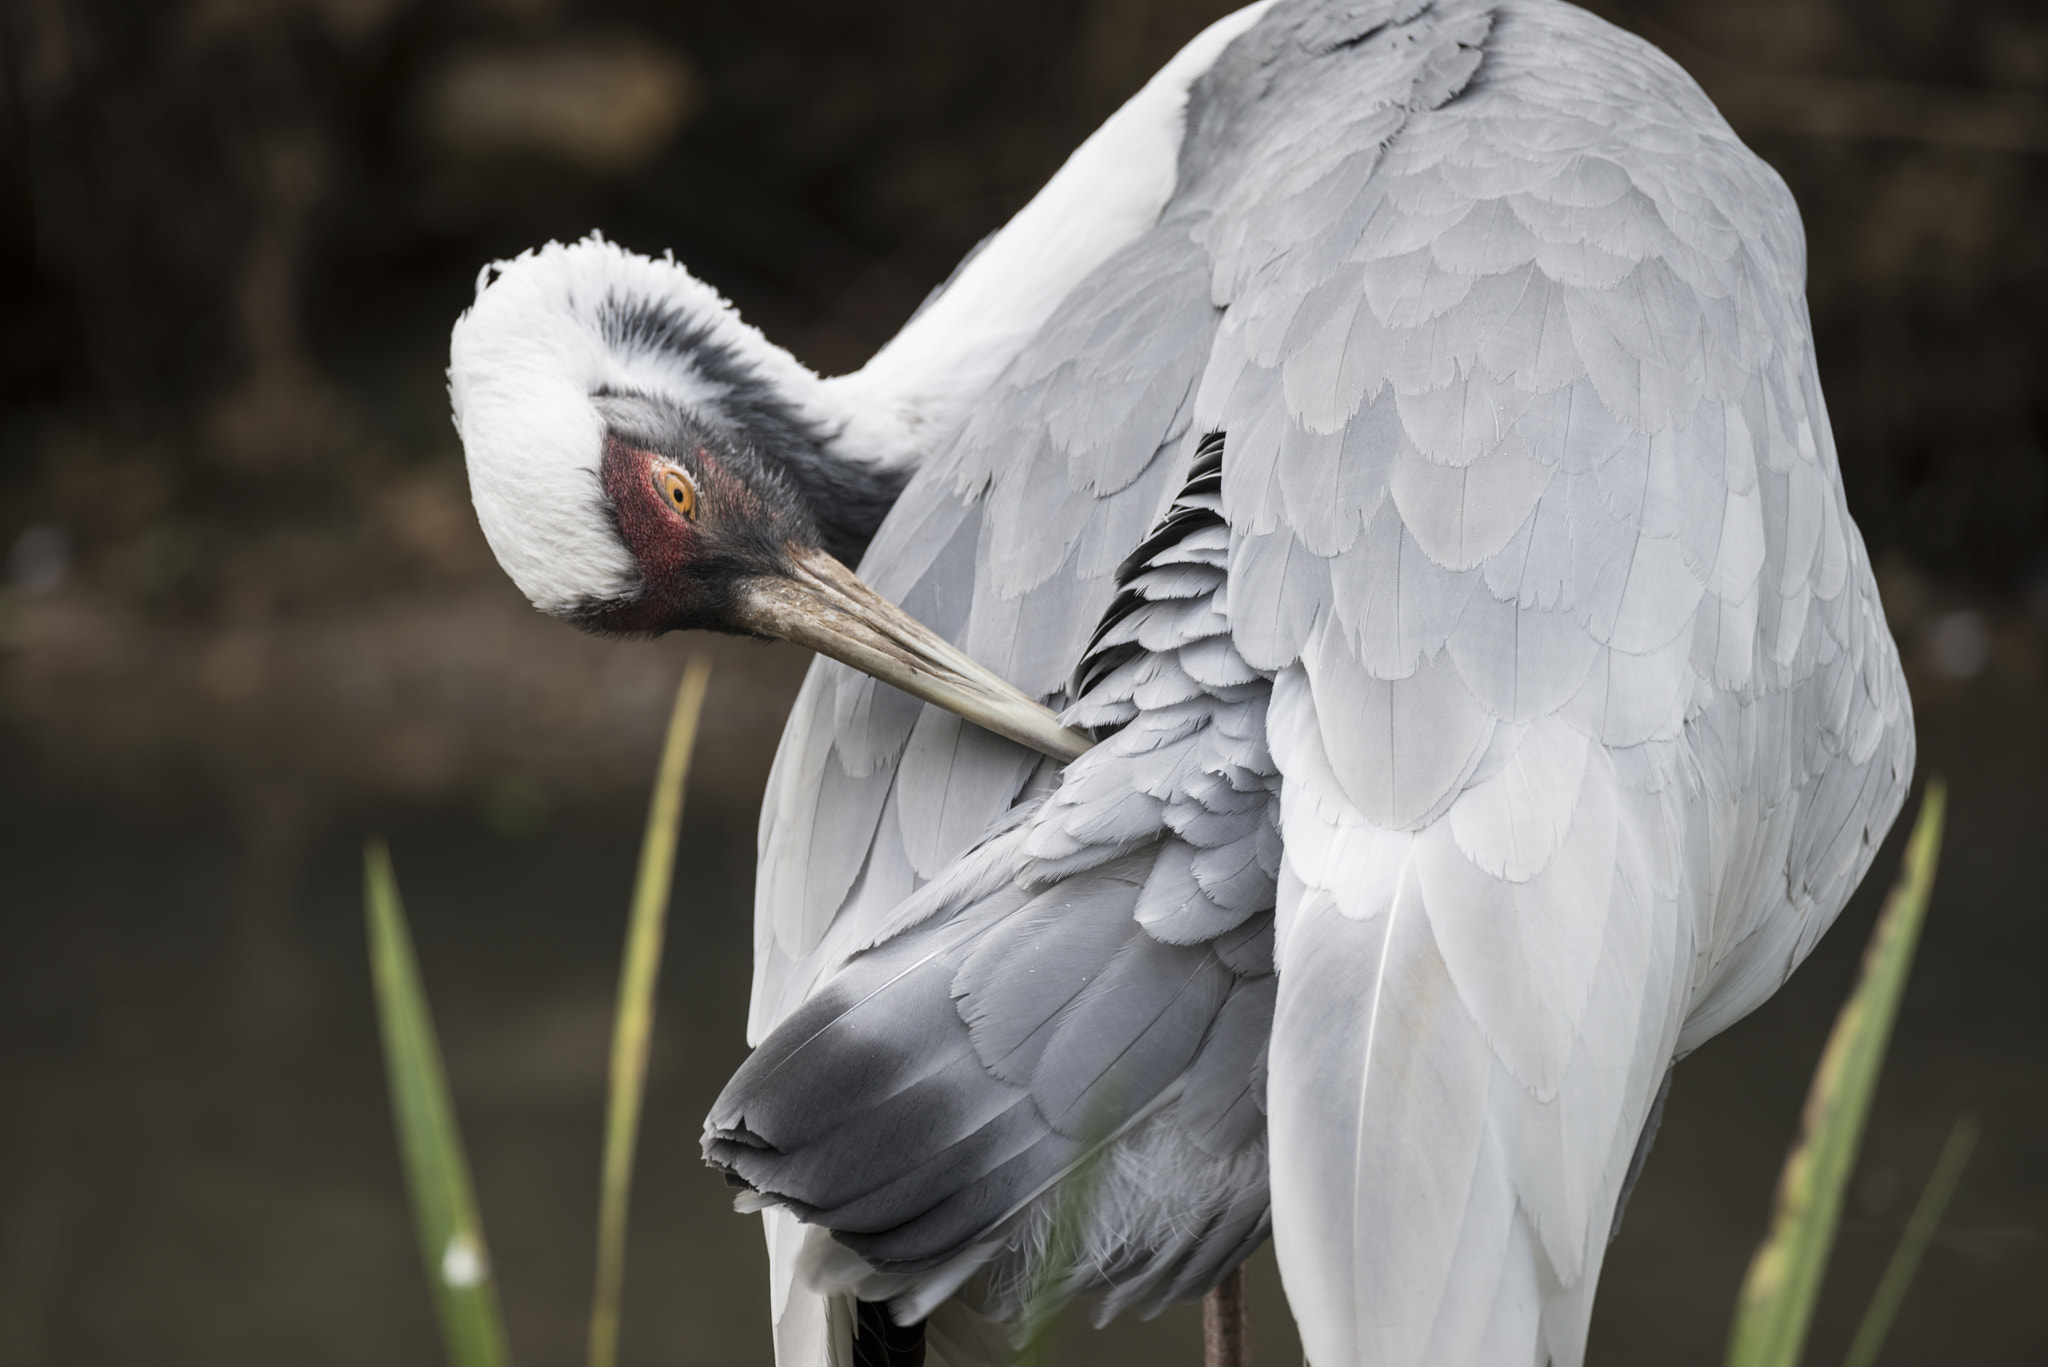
[248,620]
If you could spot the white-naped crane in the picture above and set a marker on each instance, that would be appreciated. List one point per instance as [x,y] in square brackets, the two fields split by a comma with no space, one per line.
[1394,443]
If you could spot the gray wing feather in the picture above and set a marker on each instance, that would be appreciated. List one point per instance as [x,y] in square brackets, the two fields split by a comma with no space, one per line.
[1224,1103]
[1137,1030]
[1029,969]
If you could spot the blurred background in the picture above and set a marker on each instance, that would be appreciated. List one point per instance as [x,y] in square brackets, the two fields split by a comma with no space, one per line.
[248,620]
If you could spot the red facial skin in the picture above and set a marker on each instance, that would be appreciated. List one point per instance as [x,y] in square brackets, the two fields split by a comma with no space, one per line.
[661,538]
[690,564]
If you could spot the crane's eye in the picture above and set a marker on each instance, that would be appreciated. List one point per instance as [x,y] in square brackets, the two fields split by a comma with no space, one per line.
[675,486]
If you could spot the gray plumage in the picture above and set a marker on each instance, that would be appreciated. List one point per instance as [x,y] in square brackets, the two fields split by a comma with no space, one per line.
[1108,968]
[1498,662]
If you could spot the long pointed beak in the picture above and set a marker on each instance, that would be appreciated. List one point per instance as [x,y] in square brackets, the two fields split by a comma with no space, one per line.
[825,607]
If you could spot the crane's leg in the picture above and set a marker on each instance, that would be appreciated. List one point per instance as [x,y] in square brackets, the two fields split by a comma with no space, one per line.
[1226,1332]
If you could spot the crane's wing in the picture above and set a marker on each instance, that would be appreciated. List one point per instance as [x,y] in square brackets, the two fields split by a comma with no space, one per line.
[1099,969]
[1586,713]
[1009,544]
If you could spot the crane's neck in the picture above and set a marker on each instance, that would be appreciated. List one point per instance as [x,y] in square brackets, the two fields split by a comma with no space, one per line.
[915,392]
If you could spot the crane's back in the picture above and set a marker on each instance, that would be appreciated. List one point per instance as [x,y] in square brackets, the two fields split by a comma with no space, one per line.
[1577,716]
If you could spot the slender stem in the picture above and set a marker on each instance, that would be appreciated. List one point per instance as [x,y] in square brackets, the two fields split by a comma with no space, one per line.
[1927,1213]
[1226,1323]
[635,1023]
[1778,1295]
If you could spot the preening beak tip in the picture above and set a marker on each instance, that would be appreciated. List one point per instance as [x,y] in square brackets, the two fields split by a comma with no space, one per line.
[824,606]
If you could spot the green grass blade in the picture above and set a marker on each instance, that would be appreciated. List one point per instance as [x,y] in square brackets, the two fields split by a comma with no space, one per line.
[634,1024]
[443,1202]
[1776,1305]
[1049,1293]
[1920,1227]
[1073,1203]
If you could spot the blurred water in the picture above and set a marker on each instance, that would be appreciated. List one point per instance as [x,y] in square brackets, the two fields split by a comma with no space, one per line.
[196,1165]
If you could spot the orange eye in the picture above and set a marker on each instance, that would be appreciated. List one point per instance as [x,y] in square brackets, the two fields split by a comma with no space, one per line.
[675,486]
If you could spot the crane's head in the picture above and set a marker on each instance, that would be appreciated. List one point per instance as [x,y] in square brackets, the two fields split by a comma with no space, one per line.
[642,461]
[703,518]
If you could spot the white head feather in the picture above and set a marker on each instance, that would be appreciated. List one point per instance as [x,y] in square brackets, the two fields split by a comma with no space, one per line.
[526,363]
